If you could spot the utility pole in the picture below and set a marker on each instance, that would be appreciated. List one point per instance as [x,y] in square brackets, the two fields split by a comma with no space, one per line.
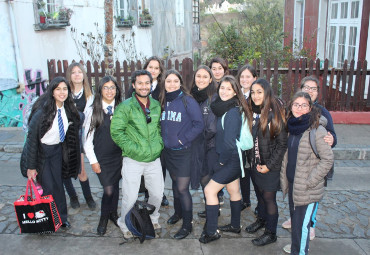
[108,40]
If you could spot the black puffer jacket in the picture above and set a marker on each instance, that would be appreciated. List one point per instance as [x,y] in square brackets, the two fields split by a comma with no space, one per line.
[272,152]
[33,156]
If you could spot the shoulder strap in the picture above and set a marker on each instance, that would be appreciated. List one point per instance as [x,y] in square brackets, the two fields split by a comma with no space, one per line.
[312,135]
[184,102]
[137,215]
[223,120]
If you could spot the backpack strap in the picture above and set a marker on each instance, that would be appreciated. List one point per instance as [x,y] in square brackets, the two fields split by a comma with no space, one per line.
[223,120]
[312,135]
[136,214]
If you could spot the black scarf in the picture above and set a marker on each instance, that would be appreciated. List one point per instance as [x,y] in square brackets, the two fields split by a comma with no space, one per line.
[297,126]
[256,108]
[199,95]
[170,96]
[219,107]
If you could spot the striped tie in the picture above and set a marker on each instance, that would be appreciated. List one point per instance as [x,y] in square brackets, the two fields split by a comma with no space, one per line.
[109,110]
[61,126]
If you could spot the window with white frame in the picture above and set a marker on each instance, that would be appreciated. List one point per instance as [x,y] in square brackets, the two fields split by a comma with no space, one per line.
[343,31]
[50,6]
[120,5]
[195,11]
[180,15]
[299,23]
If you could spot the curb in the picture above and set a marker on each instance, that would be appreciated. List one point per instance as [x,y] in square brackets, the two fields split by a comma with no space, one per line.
[345,152]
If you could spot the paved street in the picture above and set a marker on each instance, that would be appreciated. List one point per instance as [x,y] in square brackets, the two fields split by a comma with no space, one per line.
[342,228]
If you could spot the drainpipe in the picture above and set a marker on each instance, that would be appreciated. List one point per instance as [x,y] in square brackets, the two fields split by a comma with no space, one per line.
[18,60]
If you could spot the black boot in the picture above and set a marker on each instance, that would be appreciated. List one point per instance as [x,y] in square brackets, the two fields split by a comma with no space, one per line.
[74,202]
[87,194]
[113,216]
[258,224]
[267,238]
[102,227]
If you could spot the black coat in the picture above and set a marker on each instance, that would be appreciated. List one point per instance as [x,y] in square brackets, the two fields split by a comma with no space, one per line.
[272,152]
[33,156]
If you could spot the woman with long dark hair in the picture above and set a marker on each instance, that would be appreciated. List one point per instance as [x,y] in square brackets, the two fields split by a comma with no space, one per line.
[181,123]
[155,67]
[228,107]
[246,76]
[104,155]
[204,91]
[303,173]
[83,98]
[270,143]
[52,148]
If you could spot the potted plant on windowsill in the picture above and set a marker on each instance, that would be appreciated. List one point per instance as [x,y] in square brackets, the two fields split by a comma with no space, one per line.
[42,15]
[145,19]
[125,22]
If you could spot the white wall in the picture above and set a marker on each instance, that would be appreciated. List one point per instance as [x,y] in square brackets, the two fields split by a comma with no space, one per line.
[8,68]
[36,47]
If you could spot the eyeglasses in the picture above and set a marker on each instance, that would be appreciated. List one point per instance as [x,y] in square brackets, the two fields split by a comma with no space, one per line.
[308,88]
[113,88]
[302,106]
[148,118]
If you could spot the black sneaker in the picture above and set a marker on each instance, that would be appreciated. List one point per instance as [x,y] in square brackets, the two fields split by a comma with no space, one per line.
[74,202]
[221,200]
[91,203]
[244,205]
[164,201]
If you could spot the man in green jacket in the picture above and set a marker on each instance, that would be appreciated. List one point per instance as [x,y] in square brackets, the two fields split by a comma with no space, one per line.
[135,128]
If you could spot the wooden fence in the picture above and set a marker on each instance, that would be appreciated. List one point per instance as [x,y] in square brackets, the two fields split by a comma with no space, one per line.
[335,84]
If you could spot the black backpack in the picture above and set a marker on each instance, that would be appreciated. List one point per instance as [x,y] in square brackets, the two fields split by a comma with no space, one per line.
[138,220]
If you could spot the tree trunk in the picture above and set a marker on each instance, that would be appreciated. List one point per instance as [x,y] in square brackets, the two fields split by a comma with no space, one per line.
[108,47]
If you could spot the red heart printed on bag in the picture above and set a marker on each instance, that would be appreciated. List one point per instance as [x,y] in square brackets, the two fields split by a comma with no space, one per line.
[30,215]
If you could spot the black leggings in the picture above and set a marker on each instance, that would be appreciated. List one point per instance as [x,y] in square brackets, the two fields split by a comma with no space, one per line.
[109,202]
[267,208]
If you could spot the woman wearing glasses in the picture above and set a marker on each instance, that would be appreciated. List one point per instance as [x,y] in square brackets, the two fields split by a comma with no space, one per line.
[181,123]
[302,172]
[104,155]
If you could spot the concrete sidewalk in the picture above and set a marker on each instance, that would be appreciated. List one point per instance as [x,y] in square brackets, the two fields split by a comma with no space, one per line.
[342,228]
[353,141]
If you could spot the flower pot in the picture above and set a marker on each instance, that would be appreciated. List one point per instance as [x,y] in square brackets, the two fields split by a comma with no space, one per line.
[42,19]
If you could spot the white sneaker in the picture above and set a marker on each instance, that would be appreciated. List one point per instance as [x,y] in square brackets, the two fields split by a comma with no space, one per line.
[157,227]
[287,224]
[287,248]
[128,235]
[312,234]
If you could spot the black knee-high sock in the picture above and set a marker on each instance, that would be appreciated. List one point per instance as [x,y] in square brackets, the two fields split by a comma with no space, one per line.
[186,220]
[69,187]
[212,218]
[86,188]
[235,213]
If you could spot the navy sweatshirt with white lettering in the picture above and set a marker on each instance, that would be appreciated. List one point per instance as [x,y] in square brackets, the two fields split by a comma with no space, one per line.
[181,121]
